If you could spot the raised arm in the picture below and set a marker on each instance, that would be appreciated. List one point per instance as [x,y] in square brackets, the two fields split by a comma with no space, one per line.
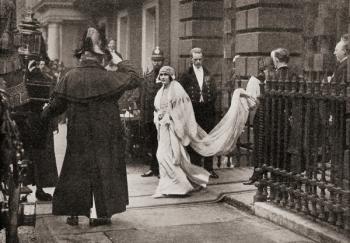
[135,80]
[55,107]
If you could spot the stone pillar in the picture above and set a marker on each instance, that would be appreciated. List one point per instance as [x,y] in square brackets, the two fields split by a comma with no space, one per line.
[324,33]
[228,38]
[53,41]
[325,21]
[201,25]
[44,32]
[264,25]
[229,18]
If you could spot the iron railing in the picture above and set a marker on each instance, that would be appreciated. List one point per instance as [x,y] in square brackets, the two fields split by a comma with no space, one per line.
[243,151]
[301,147]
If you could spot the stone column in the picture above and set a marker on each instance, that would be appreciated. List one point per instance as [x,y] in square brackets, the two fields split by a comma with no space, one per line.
[228,38]
[264,25]
[201,25]
[325,32]
[53,41]
[44,32]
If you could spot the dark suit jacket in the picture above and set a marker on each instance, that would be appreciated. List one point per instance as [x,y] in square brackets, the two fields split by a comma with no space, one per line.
[149,91]
[190,83]
[340,72]
[282,72]
[204,111]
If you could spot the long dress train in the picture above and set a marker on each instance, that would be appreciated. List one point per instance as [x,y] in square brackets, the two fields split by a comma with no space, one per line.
[177,128]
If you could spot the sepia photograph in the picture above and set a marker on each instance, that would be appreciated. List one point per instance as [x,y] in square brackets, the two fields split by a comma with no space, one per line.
[174,121]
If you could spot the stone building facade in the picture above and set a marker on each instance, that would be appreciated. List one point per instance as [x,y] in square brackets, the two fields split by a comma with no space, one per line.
[223,28]
[308,28]
[62,26]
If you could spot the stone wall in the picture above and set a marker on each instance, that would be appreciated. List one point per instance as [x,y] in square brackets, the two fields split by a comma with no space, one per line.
[325,22]
[201,24]
[164,29]
[264,25]
[229,38]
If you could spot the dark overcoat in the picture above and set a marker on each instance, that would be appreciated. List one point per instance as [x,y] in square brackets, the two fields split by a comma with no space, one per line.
[340,73]
[149,91]
[94,162]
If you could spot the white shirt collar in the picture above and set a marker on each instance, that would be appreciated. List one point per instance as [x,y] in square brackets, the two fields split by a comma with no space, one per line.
[197,69]
[199,72]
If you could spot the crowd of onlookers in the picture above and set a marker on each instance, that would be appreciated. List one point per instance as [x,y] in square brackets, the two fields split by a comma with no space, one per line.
[52,69]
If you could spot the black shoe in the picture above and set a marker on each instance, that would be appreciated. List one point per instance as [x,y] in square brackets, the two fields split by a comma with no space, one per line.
[197,189]
[43,196]
[148,174]
[100,221]
[72,220]
[213,175]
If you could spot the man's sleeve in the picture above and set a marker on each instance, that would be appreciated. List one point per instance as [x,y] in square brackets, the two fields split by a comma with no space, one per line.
[56,107]
[135,78]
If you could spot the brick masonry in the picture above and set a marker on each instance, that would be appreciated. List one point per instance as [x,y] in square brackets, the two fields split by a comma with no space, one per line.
[164,29]
[201,25]
[262,26]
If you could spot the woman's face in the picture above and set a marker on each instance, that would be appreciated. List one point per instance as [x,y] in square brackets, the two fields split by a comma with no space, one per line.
[164,78]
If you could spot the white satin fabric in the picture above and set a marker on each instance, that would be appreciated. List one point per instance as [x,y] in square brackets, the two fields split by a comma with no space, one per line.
[177,128]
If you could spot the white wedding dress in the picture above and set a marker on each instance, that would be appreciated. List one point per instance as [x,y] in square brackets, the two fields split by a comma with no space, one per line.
[176,125]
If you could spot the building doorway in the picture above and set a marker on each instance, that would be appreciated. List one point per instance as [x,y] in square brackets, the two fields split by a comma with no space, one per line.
[150,26]
[123,34]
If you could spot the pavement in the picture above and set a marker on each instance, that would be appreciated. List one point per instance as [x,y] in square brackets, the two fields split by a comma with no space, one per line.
[223,212]
[202,217]
[141,190]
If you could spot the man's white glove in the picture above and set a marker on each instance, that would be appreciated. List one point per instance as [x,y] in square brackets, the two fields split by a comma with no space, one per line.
[116,58]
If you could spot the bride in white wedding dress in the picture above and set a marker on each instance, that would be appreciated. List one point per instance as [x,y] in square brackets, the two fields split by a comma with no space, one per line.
[176,125]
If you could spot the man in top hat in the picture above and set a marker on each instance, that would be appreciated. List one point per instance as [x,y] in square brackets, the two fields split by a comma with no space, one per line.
[201,88]
[148,92]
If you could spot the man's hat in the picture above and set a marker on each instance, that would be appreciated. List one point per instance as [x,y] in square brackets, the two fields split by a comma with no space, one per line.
[157,54]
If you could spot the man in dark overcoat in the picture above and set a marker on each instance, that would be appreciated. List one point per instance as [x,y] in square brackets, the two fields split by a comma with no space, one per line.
[201,88]
[94,168]
[148,93]
[341,52]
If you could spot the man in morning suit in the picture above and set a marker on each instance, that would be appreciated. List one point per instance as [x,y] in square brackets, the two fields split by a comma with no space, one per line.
[201,88]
